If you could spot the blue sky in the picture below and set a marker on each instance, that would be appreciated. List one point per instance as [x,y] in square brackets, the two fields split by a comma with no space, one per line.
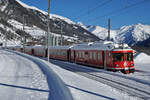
[97,12]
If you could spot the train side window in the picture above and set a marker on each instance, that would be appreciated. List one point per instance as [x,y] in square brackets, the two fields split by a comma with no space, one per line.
[62,53]
[91,55]
[94,55]
[56,52]
[77,54]
[72,54]
[80,54]
[99,56]
[65,54]
[83,55]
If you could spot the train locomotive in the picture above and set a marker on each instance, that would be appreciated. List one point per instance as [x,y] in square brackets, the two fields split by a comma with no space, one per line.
[106,55]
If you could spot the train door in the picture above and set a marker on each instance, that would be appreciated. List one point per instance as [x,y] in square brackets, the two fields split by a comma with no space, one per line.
[105,59]
[74,56]
[86,57]
[100,59]
[32,51]
[46,52]
[21,49]
[69,55]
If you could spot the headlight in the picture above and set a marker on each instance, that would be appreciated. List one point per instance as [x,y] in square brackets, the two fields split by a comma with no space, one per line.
[117,65]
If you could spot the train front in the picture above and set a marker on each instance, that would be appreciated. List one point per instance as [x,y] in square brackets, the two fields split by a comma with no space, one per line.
[122,57]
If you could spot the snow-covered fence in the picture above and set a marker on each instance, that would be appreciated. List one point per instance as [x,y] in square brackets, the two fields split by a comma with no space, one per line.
[58,90]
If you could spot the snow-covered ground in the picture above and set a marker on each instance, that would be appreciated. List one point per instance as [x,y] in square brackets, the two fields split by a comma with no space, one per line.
[22,79]
[142,65]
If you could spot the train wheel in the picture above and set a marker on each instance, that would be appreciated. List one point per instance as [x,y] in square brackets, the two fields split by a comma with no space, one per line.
[114,70]
[132,70]
[125,71]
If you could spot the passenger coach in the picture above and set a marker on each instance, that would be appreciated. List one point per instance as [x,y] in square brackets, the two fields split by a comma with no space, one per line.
[107,55]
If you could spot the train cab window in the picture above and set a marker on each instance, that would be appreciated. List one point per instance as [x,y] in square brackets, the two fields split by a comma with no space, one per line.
[118,56]
[122,56]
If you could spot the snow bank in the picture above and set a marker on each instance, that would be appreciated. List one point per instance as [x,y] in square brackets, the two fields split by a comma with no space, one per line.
[58,90]
[142,58]
[21,79]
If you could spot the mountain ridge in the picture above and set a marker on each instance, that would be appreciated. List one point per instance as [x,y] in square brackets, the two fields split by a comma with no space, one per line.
[34,17]
[132,34]
[11,16]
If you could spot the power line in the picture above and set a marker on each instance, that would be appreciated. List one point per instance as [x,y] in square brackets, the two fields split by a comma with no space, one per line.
[82,10]
[92,10]
[117,11]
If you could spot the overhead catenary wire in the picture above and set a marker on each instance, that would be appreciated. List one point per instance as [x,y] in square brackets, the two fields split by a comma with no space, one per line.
[117,11]
[92,10]
[82,10]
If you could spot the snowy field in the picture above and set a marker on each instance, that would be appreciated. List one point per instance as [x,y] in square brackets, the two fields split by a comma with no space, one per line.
[22,79]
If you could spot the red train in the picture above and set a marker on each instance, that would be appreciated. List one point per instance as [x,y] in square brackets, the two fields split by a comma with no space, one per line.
[107,55]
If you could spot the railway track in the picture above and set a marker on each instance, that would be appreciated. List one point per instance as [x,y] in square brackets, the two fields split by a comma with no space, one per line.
[131,89]
[132,86]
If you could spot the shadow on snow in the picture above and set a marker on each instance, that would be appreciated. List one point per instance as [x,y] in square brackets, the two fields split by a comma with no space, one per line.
[96,94]
[22,87]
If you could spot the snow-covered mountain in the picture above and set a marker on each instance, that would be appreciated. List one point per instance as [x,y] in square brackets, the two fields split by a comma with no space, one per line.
[13,11]
[101,32]
[131,34]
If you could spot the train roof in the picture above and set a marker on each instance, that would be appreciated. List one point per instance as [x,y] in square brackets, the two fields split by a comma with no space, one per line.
[60,47]
[101,45]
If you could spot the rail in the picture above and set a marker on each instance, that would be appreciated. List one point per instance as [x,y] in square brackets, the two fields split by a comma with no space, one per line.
[135,87]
